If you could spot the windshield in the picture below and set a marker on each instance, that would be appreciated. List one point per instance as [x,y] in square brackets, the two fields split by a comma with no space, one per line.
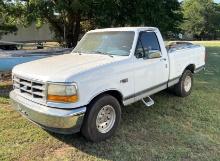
[111,43]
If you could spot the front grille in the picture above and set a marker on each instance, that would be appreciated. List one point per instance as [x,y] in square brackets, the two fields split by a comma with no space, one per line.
[30,88]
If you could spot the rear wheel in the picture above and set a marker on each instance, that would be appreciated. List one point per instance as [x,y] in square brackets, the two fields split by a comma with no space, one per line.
[184,87]
[102,118]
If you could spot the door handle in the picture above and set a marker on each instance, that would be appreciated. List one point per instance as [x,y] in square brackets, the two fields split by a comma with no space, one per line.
[163,59]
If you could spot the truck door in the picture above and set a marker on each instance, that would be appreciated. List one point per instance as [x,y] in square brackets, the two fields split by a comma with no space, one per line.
[151,70]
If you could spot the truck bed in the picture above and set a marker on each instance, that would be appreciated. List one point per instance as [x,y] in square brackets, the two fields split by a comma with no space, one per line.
[183,54]
[179,45]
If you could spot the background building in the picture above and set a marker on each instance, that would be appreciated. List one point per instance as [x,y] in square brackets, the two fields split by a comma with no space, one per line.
[30,34]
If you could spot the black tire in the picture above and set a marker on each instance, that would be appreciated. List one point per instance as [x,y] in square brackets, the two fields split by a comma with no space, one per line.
[179,88]
[89,129]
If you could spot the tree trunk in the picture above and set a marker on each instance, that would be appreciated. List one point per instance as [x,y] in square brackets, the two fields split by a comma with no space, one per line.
[77,29]
[73,31]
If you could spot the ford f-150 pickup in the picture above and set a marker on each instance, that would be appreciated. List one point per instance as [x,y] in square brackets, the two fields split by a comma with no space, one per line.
[109,68]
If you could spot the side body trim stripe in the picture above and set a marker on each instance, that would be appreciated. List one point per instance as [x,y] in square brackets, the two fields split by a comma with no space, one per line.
[152,88]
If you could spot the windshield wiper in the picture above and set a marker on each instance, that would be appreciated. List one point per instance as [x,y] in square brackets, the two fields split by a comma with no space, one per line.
[79,52]
[103,53]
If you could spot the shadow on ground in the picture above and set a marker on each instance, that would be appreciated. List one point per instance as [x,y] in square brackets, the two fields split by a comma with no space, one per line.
[132,134]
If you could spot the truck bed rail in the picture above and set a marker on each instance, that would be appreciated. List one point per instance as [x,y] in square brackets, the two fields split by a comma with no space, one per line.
[179,45]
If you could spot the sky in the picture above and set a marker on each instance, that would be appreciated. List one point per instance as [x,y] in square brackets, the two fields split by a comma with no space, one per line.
[217,1]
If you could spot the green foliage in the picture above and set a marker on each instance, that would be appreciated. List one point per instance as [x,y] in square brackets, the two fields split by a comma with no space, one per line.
[64,16]
[7,23]
[164,14]
[174,129]
[70,17]
[202,18]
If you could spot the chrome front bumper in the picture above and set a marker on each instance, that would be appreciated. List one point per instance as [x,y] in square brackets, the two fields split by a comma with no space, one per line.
[53,119]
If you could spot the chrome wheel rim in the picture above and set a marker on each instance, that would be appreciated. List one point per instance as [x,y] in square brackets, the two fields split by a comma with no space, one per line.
[105,119]
[187,83]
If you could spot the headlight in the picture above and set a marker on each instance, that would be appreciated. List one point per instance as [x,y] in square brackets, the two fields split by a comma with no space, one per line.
[66,93]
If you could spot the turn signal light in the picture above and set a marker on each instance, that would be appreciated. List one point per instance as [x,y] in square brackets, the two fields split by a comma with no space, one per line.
[67,99]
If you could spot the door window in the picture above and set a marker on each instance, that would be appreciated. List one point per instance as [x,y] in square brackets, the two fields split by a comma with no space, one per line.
[148,46]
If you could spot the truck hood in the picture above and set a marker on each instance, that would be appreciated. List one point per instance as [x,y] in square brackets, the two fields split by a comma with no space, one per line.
[61,68]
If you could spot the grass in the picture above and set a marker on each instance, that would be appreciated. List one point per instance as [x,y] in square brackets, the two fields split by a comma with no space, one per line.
[5,84]
[173,129]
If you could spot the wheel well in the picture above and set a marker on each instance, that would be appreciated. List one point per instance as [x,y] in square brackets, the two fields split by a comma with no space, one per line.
[113,93]
[191,67]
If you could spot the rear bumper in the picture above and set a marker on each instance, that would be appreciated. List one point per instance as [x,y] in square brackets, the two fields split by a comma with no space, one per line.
[56,120]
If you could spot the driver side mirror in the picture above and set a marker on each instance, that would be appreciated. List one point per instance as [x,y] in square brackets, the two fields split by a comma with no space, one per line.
[152,54]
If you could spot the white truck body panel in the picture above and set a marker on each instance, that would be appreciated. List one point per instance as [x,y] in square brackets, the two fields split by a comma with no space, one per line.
[94,74]
[180,59]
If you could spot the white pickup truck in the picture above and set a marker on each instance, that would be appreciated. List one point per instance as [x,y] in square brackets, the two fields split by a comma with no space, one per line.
[109,68]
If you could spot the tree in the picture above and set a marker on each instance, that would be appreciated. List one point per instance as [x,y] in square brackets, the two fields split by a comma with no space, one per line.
[201,18]
[7,24]
[68,18]
[64,17]
[164,14]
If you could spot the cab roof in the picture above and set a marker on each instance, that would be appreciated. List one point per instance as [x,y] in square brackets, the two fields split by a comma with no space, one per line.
[135,29]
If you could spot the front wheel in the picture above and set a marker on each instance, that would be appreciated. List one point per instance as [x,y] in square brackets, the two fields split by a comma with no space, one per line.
[184,87]
[102,118]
